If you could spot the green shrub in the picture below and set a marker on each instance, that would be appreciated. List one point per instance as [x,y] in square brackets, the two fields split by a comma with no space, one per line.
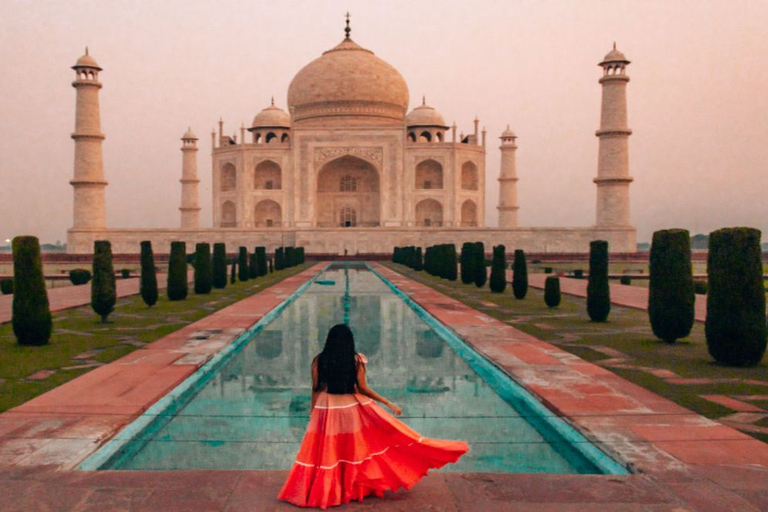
[419,262]
[233,273]
[478,267]
[451,263]
[578,274]
[735,325]
[279,258]
[700,287]
[32,322]
[261,261]
[148,282]
[219,265]
[519,275]
[498,281]
[625,280]
[467,263]
[547,270]
[178,288]
[203,269]
[103,287]
[253,266]
[552,295]
[125,273]
[670,289]
[598,289]
[271,266]
[290,257]
[302,256]
[6,285]
[79,276]
[242,265]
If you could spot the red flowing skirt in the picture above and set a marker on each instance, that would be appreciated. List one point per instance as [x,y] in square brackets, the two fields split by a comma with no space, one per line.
[353,448]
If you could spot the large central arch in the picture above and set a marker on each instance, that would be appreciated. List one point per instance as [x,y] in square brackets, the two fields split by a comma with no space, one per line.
[348,194]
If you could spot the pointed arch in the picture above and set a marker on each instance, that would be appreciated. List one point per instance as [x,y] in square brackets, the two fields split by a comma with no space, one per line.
[267,176]
[228,178]
[228,215]
[267,214]
[429,174]
[468,213]
[429,213]
[469,176]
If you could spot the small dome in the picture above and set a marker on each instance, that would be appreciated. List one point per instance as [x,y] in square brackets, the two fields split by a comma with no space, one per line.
[86,61]
[508,134]
[614,56]
[348,80]
[425,115]
[189,134]
[272,117]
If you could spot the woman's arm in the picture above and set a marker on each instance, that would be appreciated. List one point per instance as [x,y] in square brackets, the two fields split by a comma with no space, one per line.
[314,384]
[362,387]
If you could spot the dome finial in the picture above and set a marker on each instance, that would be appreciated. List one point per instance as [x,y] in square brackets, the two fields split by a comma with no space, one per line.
[273,101]
[86,50]
[347,30]
[614,45]
[423,100]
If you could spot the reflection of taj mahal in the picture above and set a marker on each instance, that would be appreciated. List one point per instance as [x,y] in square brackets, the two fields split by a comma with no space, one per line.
[348,168]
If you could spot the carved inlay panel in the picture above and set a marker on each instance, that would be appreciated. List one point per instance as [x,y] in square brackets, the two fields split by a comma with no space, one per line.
[326,154]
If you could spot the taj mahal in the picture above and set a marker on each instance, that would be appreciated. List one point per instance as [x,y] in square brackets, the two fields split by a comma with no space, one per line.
[347,169]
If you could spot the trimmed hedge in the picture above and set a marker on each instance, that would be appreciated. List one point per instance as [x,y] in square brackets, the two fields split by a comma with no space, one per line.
[519,275]
[79,276]
[148,282]
[261,261]
[598,289]
[451,263]
[279,259]
[467,263]
[552,296]
[478,266]
[242,264]
[103,287]
[219,265]
[418,264]
[498,281]
[178,288]
[625,280]
[203,269]
[271,266]
[670,289]
[700,287]
[6,285]
[735,326]
[253,266]
[32,321]
[233,274]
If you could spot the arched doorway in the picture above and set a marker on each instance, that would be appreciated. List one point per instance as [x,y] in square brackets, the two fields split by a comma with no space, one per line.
[266,176]
[348,194]
[468,213]
[429,174]
[469,176]
[429,213]
[228,178]
[267,214]
[228,215]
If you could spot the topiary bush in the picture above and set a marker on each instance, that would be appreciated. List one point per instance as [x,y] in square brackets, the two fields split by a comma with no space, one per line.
[735,326]
[103,287]
[478,266]
[242,264]
[418,261]
[178,288]
[552,296]
[279,258]
[271,266]
[233,273]
[700,287]
[125,273]
[79,276]
[219,266]
[519,275]
[670,289]
[498,281]
[451,262]
[547,270]
[261,261]
[467,260]
[625,280]
[32,322]
[253,266]
[578,274]
[148,282]
[6,286]
[203,269]
[598,289]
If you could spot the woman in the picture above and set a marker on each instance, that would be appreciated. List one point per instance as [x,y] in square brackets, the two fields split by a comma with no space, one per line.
[352,447]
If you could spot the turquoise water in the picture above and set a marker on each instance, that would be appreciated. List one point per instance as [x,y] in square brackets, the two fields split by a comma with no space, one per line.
[252,413]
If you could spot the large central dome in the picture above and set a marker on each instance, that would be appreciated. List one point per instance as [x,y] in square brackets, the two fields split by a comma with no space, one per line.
[348,81]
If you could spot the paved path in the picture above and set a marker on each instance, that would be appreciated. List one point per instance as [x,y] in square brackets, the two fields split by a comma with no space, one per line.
[68,297]
[684,462]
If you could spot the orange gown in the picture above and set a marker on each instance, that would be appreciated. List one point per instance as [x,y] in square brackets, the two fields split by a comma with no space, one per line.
[353,448]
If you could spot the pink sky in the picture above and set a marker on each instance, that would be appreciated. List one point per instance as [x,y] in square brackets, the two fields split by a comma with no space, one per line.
[698,97]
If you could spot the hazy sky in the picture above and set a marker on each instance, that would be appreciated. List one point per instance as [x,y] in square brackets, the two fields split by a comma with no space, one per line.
[698,97]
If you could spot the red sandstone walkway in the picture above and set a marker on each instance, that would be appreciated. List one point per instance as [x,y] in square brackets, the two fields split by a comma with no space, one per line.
[68,297]
[683,461]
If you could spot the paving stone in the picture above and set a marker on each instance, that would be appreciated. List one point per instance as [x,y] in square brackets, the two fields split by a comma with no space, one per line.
[732,403]
[41,375]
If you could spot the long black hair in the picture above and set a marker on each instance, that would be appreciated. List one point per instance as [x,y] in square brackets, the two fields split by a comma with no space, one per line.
[337,364]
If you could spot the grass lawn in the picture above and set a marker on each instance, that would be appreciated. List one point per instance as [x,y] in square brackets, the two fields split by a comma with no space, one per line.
[627,331]
[79,332]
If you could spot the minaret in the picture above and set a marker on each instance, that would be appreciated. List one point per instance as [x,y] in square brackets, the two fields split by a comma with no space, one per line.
[613,161]
[508,181]
[89,182]
[190,211]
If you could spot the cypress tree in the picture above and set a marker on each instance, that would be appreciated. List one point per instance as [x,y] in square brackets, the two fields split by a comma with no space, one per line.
[233,273]
[552,291]
[219,265]
[261,261]
[467,263]
[148,283]
[735,325]
[670,294]
[451,261]
[32,322]
[302,256]
[419,262]
[103,287]
[242,265]
[177,272]
[519,275]
[290,257]
[253,266]
[498,281]
[279,263]
[598,289]
[478,268]
[203,269]
[271,266]
[6,286]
